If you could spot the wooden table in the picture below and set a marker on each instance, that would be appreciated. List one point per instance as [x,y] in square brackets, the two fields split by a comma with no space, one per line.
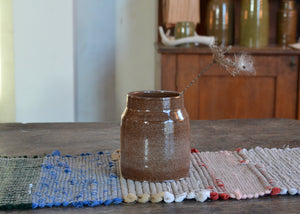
[75,138]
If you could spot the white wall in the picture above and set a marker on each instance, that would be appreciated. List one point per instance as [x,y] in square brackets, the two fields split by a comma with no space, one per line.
[7,78]
[135,53]
[75,60]
[44,60]
[95,60]
[114,55]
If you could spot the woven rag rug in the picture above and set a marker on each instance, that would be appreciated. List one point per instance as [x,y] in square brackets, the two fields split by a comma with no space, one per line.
[94,179]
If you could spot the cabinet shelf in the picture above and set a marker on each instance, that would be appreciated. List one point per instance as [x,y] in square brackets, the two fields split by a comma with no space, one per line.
[273,8]
[270,50]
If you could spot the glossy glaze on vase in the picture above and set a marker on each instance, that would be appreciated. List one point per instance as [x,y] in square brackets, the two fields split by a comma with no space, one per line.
[286,23]
[254,23]
[155,137]
[219,21]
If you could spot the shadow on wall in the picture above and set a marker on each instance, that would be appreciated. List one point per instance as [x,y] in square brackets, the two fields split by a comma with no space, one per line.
[95,60]
[136,22]
[115,55]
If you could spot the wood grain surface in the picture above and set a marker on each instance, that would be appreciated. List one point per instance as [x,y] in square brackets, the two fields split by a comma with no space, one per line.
[213,135]
[271,93]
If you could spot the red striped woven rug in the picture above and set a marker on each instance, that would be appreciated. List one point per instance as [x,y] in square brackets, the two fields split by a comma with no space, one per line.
[240,174]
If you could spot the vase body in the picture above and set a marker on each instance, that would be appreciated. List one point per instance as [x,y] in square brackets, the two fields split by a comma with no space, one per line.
[184,29]
[155,137]
[219,21]
[286,23]
[254,23]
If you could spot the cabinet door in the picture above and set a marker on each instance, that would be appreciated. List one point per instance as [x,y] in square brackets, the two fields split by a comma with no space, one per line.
[272,92]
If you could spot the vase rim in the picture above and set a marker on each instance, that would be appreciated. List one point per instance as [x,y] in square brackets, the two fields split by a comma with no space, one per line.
[155,95]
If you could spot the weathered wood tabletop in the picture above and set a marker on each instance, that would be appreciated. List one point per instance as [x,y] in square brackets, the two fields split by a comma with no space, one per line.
[75,138]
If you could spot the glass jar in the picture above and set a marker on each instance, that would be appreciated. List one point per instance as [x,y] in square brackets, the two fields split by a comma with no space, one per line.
[254,23]
[155,137]
[219,21]
[184,29]
[286,23]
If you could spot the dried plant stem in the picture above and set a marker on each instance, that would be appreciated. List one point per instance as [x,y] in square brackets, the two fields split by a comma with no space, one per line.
[240,63]
[192,82]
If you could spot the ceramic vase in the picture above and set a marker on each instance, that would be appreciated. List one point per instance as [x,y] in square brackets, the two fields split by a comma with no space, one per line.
[254,23]
[286,23]
[155,137]
[219,21]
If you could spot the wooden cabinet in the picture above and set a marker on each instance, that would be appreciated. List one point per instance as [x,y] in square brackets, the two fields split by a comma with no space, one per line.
[272,92]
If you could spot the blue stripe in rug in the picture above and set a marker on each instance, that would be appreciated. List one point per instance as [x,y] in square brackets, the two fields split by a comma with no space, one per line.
[84,180]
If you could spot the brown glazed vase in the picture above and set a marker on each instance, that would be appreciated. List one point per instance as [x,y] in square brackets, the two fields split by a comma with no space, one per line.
[287,23]
[155,137]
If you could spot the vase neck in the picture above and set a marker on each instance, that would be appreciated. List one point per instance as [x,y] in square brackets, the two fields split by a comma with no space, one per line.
[154,100]
[287,4]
